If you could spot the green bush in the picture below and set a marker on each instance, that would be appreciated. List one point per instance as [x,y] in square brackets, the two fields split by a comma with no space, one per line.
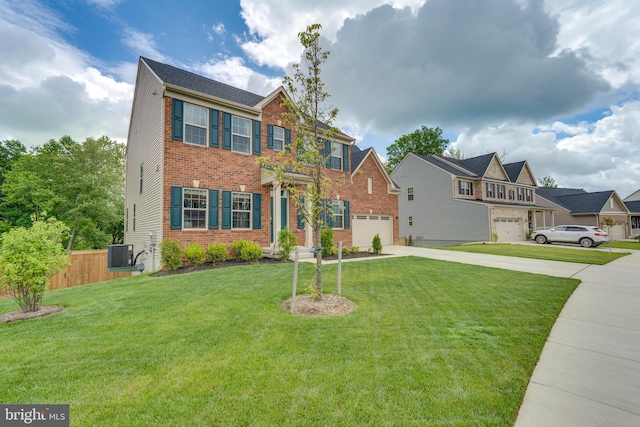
[326,240]
[170,254]
[312,291]
[217,252]
[246,250]
[286,242]
[345,250]
[28,259]
[194,254]
[376,244]
[355,249]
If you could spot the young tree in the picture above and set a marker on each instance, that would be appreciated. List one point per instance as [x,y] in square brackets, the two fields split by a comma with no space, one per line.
[454,153]
[548,182]
[28,259]
[425,140]
[311,120]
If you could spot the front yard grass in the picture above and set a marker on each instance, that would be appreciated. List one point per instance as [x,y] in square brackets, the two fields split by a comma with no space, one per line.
[552,253]
[635,245]
[430,343]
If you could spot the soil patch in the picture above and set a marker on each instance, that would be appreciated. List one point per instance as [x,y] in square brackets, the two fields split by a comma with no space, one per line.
[22,315]
[210,266]
[329,305]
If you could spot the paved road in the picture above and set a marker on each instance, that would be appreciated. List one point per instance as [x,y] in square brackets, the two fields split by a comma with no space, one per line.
[589,370]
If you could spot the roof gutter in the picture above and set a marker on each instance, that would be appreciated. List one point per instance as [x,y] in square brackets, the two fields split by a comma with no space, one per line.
[210,98]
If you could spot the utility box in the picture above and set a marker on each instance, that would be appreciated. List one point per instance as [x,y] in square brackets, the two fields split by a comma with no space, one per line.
[120,258]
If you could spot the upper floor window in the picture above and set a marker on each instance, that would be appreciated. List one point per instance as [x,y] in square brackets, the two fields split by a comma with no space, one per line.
[410,193]
[501,190]
[511,195]
[195,124]
[241,134]
[335,162]
[529,194]
[491,190]
[241,210]
[194,212]
[278,138]
[465,188]
[520,194]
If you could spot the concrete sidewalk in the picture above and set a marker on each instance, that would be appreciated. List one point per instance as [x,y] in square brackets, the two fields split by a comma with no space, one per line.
[589,370]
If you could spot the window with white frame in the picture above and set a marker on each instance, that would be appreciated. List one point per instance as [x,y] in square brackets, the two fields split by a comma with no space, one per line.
[278,138]
[337,207]
[194,208]
[511,194]
[465,188]
[195,124]
[241,210]
[409,194]
[501,191]
[529,194]
[335,162]
[491,190]
[520,194]
[240,134]
[410,221]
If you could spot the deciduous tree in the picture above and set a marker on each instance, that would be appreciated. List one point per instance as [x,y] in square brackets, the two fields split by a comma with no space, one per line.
[428,141]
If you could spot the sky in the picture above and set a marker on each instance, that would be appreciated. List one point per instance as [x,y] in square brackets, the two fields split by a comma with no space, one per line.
[555,82]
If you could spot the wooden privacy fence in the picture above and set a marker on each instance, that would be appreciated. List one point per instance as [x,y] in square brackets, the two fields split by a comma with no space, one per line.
[86,267]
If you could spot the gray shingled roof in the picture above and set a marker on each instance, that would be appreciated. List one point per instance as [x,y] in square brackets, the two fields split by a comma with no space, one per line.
[357,156]
[577,201]
[477,165]
[188,80]
[513,170]
[634,207]
[445,163]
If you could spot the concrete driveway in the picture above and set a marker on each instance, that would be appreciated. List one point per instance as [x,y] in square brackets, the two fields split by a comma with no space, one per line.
[589,370]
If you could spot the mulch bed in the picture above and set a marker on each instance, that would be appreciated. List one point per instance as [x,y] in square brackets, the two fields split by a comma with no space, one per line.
[329,305]
[22,315]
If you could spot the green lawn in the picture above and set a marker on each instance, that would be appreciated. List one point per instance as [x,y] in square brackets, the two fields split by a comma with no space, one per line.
[430,343]
[623,245]
[548,252]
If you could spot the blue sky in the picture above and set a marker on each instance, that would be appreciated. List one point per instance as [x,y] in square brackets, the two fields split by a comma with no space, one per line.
[529,79]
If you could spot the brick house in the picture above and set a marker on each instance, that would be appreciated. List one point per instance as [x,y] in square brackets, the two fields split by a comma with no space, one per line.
[191,171]
[456,201]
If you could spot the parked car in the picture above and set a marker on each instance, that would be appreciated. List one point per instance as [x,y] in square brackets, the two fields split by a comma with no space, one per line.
[584,235]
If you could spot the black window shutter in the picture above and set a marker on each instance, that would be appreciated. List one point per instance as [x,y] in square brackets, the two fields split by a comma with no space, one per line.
[347,215]
[257,211]
[269,136]
[176,122]
[287,139]
[226,210]
[256,137]
[176,208]
[226,131]
[300,215]
[345,158]
[213,209]
[214,128]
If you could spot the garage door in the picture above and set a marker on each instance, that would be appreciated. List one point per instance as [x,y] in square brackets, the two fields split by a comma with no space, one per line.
[366,226]
[616,232]
[509,230]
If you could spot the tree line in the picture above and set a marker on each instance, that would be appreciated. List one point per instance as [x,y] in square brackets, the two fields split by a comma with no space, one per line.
[79,183]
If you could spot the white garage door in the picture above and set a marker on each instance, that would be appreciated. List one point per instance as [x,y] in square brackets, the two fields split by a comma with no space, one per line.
[616,232]
[509,230]
[364,227]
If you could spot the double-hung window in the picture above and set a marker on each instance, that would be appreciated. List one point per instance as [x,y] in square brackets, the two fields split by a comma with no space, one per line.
[465,188]
[410,194]
[520,194]
[194,204]
[529,194]
[491,190]
[195,124]
[335,162]
[278,138]
[337,214]
[501,190]
[241,210]
[241,135]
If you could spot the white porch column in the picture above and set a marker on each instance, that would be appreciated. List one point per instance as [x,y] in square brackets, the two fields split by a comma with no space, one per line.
[534,222]
[308,231]
[553,221]
[277,211]
[544,220]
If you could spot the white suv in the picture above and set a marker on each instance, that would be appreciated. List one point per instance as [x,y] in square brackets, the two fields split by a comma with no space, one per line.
[587,236]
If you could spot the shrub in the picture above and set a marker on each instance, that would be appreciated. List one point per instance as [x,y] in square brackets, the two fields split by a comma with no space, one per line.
[170,254]
[326,240]
[494,237]
[376,244]
[345,250]
[312,291]
[28,259]
[246,250]
[217,252]
[194,254]
[355,249]
[286,242]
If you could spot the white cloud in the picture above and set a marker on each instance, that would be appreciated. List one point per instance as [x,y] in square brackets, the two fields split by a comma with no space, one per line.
[232,71]
[50,88]
[604,155]
[143,44]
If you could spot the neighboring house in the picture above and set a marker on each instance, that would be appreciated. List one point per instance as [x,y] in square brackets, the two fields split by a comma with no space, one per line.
[576,206]
[452,200]
[191,171]
[632,202]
